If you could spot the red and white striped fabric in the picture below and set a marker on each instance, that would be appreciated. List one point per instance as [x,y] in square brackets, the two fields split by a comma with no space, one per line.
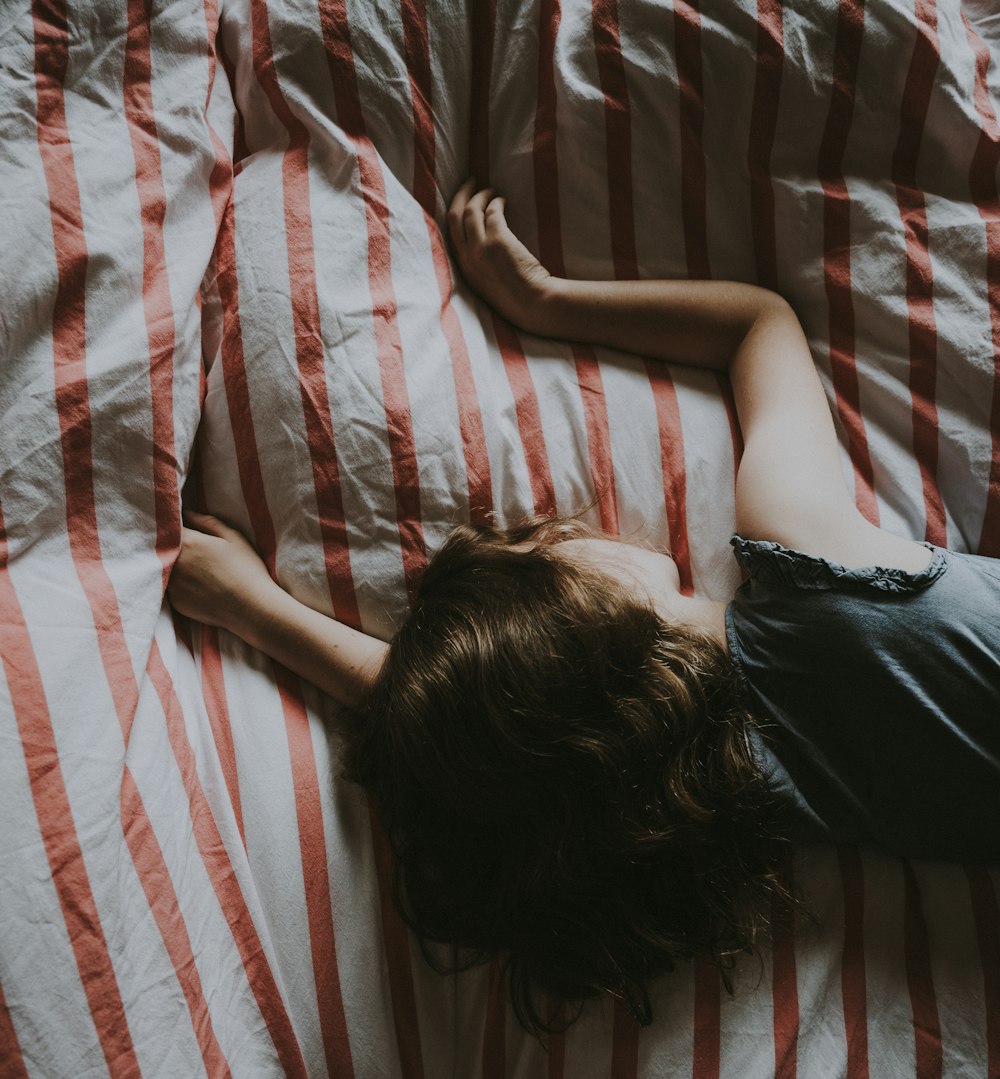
[231,215]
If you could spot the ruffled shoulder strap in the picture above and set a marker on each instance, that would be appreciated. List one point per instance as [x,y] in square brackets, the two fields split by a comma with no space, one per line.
[771,563]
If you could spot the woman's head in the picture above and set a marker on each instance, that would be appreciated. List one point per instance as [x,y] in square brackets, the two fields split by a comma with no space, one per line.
[565,777]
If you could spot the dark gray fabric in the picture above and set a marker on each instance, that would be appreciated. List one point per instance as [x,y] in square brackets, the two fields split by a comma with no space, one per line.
[883,691]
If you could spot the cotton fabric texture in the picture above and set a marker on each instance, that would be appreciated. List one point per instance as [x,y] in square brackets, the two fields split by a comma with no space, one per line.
[880,692]
[222,217]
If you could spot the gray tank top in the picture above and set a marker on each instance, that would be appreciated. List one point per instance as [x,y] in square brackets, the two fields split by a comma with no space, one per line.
[879,694]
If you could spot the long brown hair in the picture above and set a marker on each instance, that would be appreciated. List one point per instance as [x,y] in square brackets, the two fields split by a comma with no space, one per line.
[566,779]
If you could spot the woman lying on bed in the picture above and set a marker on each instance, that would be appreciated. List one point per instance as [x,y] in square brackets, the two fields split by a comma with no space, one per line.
[585,769]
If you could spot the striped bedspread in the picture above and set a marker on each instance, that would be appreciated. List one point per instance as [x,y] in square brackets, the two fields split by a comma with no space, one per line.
[223,279]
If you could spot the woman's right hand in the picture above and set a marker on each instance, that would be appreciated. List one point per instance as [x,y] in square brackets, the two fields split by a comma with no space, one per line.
[493,260]
[218,578]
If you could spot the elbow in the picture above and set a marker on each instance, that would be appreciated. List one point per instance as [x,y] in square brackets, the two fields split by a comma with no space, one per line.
[772,304]
[771,309]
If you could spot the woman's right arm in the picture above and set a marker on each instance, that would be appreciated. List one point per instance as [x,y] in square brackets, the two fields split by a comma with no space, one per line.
[219,579]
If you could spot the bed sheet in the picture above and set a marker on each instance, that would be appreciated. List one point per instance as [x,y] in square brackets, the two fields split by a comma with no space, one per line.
[223,275]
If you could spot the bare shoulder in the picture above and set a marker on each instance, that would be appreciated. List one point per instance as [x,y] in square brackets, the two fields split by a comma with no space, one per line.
[849,540]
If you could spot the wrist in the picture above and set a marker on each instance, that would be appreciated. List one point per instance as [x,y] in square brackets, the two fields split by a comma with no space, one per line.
[250,611]
[543,307]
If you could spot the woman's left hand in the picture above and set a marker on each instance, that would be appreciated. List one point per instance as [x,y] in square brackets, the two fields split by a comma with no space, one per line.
[218,578]
[493,260]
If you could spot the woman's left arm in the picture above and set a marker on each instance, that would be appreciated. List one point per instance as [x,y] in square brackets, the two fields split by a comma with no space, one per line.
[790,485]
[219,579]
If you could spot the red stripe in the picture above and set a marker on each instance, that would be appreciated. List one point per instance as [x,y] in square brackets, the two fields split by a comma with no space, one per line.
[397,953]
[529,418]
[853,979]
[482,16]
[983,188]
[220,180]
[920,982]
[241,149]
[986,916]
[418,63]
[308,333]
[69,344]
[156,302]
[602,474]
[57,827]
[416,48]
[694,211]
[163,904]
[543,148]
[395,394]
[495,1025]
[618,128]
[315,875]
[312,384]
[924,64]
[213,683]
[668,423]
[224,881]
[618,136]
[546,165]
[784,987]
[213,691]
[763,123]
[350,116]
[11,1057]
[706,1049]
[406,479]
[470,418]
[624,1045]
[837,248]
[234,378]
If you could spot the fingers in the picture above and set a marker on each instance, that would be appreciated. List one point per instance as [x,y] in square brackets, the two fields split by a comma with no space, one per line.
[205,522]
[496,222]
[456,228]
[473,217]
[467,215]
